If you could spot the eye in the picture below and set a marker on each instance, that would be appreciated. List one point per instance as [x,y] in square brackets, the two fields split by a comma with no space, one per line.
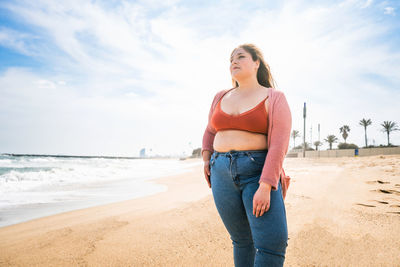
[240,56]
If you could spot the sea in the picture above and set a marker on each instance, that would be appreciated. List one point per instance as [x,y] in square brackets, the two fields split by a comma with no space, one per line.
[37,186]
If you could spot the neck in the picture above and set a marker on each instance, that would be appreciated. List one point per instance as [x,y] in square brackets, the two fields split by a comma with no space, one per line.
[248,84]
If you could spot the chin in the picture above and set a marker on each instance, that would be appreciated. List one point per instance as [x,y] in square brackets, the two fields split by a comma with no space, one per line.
[239,77]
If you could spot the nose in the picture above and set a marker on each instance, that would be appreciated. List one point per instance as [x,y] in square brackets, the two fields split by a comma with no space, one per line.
[234,63]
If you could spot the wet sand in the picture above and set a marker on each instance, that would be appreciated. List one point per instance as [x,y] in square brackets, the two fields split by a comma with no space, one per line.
[340,212]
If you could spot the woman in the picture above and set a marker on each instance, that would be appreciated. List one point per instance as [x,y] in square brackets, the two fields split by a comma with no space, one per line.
[244,146]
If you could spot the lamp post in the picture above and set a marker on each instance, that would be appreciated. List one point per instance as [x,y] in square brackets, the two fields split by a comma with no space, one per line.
[319,140]
[318,133]
[304,131]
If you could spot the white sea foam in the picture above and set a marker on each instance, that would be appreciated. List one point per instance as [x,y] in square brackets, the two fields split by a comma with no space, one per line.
[38,180]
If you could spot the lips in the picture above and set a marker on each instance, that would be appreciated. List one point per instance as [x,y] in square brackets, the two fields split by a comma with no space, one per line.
[236,68]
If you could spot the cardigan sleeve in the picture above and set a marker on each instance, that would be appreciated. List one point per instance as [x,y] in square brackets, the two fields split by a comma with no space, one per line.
[209,133]
[281,124]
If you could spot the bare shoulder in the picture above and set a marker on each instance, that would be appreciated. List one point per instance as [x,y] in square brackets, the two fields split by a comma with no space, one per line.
[223,91]
[263,91]
[226,92]
[219,94]
[266,91]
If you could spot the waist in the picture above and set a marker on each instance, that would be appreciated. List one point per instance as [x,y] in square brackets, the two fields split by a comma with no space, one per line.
[241,152]
[239,140]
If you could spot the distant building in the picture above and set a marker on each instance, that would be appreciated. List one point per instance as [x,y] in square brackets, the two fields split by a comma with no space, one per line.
[142,153]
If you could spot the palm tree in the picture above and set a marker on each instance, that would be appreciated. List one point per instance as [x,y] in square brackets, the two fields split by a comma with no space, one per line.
[295,134]
[365,123]
[389,126]
[331,139]
[345,129]
[317,144]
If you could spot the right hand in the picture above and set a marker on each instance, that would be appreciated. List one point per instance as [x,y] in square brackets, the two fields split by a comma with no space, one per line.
[207,172]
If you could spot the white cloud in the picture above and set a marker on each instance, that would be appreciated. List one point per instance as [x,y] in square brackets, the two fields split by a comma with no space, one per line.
[45,84]
[17,41]
[389,11]
[367,3]
[141,75]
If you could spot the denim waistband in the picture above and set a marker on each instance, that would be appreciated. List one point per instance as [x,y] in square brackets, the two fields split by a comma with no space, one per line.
[240,152]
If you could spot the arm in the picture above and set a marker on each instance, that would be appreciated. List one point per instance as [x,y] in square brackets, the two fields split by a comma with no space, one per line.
[206,160]
[209,133]
[207,145]
[208,140]
[281,124]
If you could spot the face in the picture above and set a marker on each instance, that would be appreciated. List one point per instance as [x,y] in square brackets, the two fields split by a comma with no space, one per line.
[242,64]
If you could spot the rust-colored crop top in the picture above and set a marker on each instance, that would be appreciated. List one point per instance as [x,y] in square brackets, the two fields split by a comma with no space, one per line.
[253,120]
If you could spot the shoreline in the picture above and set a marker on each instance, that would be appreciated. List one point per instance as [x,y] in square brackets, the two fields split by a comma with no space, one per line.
[181,226]
[169,197]
[93,195]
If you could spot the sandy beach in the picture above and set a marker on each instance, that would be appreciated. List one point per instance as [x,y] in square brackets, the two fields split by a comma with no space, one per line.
[340,212]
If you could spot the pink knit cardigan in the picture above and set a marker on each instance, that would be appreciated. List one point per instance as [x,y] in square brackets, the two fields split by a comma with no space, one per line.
[279,128]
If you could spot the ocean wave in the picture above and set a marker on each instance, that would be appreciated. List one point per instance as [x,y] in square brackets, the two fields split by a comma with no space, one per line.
[47,174]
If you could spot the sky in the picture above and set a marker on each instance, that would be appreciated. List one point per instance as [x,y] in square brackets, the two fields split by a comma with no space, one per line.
[113,77]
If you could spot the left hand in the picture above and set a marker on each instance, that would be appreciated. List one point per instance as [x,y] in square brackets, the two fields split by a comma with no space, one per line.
[261,199]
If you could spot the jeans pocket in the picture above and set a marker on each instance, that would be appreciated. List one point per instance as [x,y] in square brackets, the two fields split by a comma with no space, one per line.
[256,159]
[212,160]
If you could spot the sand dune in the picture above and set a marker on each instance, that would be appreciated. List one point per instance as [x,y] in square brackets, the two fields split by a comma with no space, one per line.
[341,212]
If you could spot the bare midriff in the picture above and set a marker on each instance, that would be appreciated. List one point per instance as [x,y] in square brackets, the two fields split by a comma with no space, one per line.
[227,140]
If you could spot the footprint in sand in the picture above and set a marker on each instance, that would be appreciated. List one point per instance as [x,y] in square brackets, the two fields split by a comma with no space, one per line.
[377,181]
[382,191]
[395,192]
[366,205]
[391,199]
[382,202]
[389,191]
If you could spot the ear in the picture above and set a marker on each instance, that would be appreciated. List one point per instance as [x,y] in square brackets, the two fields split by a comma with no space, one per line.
[257,63]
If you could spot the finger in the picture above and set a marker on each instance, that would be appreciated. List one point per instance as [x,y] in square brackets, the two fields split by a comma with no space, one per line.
[265,209]
[262,211]
[207,167]
[258,211]
[254,207]
[208,182]
[206,176]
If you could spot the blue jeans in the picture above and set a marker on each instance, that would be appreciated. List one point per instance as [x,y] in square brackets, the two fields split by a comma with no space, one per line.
[257,241]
